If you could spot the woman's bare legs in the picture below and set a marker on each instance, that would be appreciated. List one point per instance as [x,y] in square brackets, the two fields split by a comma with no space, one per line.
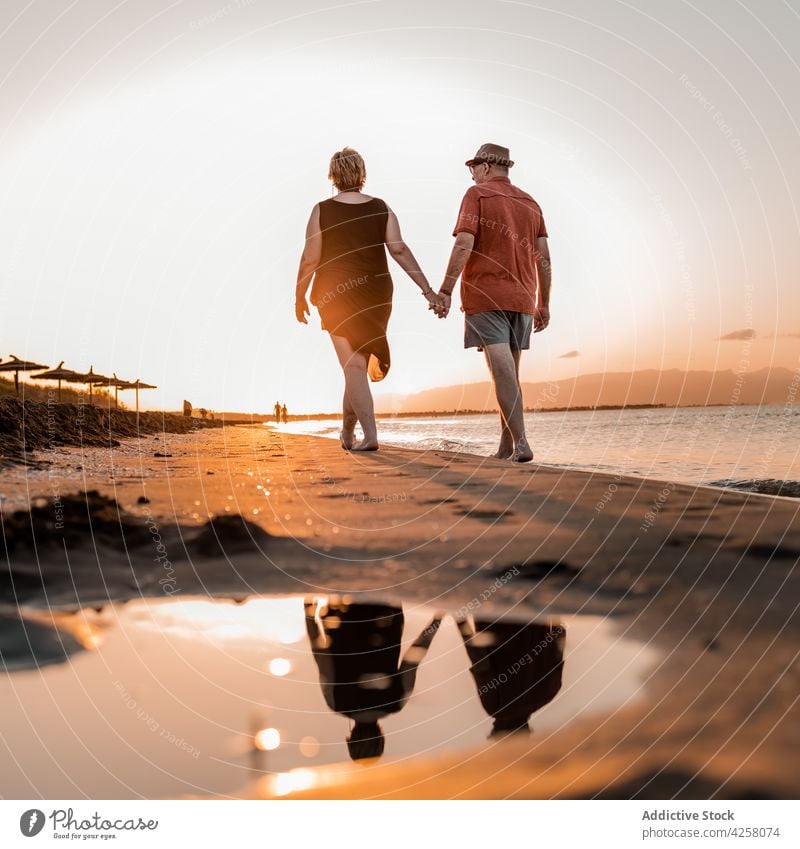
[349,419]
[357,397]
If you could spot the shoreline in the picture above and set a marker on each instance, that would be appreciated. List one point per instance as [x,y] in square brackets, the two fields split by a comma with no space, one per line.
[266,418]
[769,487]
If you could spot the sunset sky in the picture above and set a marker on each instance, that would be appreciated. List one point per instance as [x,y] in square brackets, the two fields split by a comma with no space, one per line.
[158,162]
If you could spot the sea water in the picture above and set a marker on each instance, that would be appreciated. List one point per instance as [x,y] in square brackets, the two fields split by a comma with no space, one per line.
[731,445]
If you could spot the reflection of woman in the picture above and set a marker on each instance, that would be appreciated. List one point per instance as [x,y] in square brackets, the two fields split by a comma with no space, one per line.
[357,650]
[352,290]
[517,668]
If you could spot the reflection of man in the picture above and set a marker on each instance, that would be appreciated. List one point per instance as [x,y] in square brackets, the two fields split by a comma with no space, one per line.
[357,650]
[517,668]
[501,248]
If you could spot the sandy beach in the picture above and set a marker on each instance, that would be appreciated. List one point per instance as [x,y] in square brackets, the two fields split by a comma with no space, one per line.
[706,577]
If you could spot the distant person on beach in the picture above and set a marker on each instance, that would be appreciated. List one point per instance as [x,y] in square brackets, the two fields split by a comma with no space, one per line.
[501,248]
[278,412]
[357,649]
[284,414]
[345,252]
[517,668]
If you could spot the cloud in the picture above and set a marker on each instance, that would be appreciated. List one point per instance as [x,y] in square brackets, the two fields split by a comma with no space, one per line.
[746,333]
[568,355]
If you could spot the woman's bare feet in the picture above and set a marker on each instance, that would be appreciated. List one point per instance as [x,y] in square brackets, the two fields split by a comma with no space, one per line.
[347,435]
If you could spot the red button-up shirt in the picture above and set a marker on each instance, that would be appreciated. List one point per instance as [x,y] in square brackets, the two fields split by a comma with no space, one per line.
[500,273]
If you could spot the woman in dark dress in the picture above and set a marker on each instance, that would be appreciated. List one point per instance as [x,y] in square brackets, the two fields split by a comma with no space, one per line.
[345,252]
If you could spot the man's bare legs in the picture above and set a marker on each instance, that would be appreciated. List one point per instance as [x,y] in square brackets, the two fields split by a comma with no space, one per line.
[503,362]
[357,403]
[506,448]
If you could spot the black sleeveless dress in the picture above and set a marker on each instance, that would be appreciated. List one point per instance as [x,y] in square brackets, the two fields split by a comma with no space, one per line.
[352,287]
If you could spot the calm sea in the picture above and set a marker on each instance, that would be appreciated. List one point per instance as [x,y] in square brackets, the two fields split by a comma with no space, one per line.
[719,445]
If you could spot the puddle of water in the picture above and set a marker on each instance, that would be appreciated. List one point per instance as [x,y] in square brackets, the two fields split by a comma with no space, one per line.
[198,696]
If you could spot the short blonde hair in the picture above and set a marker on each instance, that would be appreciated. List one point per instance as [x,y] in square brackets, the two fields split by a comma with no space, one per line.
[347,170]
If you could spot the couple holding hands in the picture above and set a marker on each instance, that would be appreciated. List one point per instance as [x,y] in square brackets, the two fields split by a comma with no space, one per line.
[500,252]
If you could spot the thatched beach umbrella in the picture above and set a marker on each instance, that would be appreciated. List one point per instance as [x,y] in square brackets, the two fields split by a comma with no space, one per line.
[118,383]
[17,365]
[91,378]
[137,385]
[133,384]
[59,373]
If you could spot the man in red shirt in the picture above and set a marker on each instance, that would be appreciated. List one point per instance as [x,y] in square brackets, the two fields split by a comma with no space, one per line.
[501,248]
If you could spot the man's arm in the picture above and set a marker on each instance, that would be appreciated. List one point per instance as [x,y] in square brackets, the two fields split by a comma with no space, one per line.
[458,259]
[309,262]
[541,318]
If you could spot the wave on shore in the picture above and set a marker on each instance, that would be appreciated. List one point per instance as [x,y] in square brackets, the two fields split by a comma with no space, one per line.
[768,486]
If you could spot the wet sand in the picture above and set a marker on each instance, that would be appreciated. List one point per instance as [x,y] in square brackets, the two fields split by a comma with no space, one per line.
[708,577]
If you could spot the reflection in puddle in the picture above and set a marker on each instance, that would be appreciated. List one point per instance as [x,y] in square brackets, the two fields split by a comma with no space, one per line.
[205,697]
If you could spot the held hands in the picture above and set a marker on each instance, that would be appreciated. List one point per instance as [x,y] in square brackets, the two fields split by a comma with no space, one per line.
[439,303]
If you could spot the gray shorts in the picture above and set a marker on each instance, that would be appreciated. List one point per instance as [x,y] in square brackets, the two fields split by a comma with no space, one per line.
[497,326]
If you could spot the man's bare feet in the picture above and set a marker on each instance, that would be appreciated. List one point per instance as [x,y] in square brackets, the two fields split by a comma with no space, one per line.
[366,445]
[522,453]
[504,452]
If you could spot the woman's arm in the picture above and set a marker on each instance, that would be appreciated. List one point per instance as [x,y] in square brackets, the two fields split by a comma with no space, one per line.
[416,654]
[402,255]
[309,262]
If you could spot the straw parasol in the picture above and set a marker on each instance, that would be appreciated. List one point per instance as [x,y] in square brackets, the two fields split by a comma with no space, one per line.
[17,365]
[137,385]
[91,378]
[118,383]
[59,373]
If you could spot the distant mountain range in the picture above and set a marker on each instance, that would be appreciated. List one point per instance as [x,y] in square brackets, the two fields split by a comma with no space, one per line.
[672,388]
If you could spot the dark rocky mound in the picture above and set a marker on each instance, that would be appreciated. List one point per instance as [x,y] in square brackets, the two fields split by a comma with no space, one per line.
[227,534]
[86,519]
[38,425]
